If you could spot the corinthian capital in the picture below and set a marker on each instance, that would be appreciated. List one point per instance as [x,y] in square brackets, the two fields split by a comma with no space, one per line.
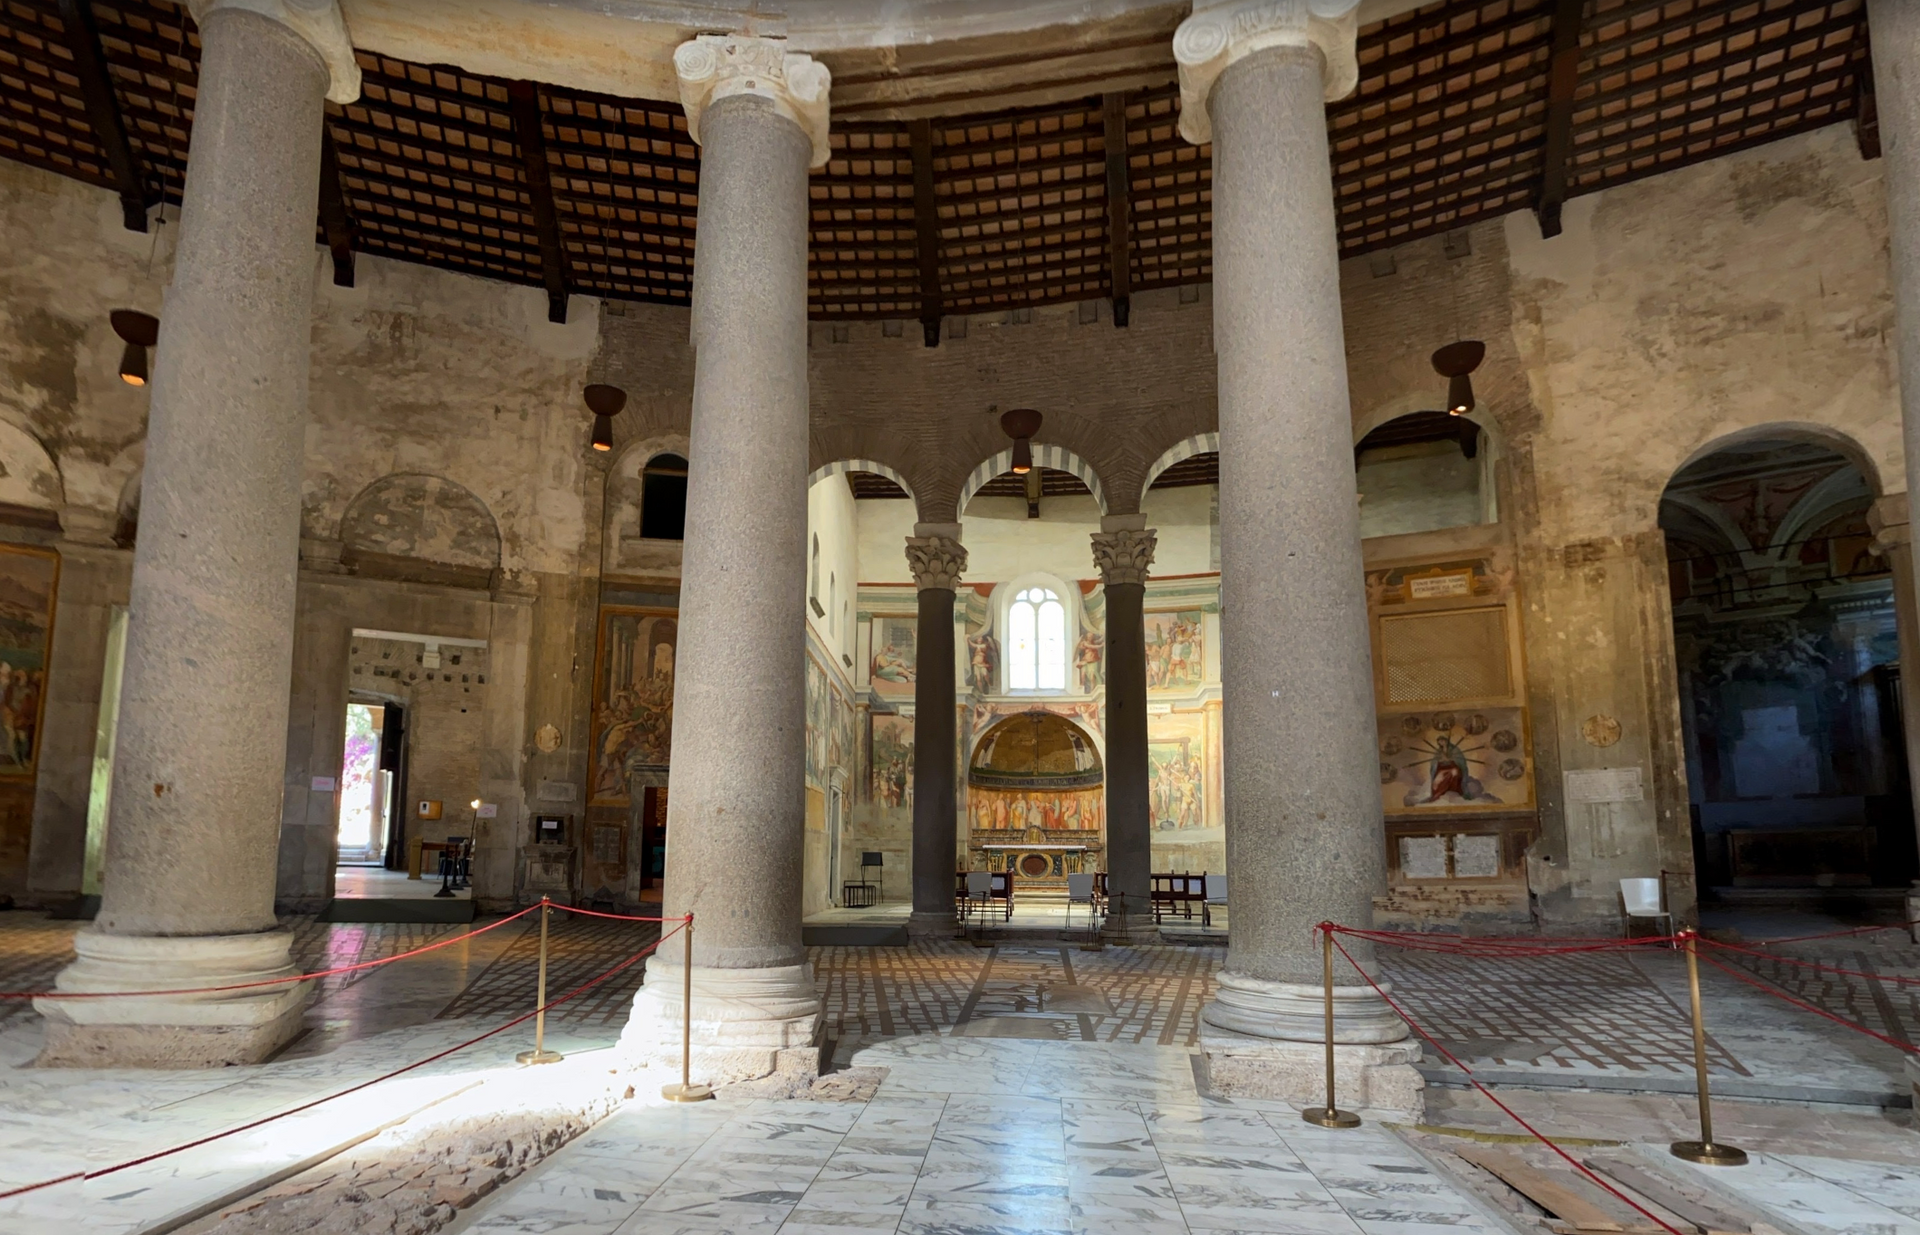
[1124,556]
[1220,33]
[716,66]
[936,562]
[317,21]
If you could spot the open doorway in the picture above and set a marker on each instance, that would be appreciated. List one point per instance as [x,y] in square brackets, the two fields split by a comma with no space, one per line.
[366,789]
[372,858]
[1787,661]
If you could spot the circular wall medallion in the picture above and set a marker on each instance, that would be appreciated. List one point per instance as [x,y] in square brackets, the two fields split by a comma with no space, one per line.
[1601,730]
[1505,740]
[1390,747]
[1512,769]
[1476,724]
[547,738]
[1412,725]
[1444,722]
[1034,865]
[1388,773]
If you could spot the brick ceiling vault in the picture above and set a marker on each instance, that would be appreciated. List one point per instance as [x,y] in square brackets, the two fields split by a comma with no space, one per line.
[1466,110]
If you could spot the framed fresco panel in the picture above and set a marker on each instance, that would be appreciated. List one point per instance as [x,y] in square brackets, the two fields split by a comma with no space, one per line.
[28,581]
[1176,653]
[632,698]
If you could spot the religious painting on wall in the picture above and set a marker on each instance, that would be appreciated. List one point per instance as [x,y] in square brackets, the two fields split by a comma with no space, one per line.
[1176,658]
[1034,812]
[632,698]
[891,769]
[28,578]
[816,724]
[892,666]
[1455,759]
[1176,785]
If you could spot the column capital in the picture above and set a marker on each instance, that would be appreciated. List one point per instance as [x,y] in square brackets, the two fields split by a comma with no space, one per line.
[936,562]
[716,66]
[1124,555]
[317,21]
[1220,33]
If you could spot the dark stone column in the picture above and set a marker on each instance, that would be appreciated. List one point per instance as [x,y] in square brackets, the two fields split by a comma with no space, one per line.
[1123,549]
[935,554]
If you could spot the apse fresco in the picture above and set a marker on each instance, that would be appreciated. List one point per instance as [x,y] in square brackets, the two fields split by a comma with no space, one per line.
[892,762]
[1034,812]
[27,581]
[632,698]
[1455,759]
[1176,656]
[891,668]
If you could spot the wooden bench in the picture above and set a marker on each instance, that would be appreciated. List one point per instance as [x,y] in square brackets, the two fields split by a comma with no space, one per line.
[1170,892]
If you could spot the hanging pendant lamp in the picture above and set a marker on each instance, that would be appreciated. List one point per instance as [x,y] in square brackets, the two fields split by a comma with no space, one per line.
[605,402]
[1456,362]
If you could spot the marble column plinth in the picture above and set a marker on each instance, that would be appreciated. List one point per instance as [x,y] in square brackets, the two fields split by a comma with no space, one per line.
[747,1023]
[172,1031]
[193,834]
[1378,1078]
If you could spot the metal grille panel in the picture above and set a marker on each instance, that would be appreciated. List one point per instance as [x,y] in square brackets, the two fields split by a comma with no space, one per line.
[1441,657]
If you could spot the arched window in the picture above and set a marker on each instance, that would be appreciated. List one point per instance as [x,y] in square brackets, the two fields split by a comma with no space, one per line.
[663,498]
[1036,641]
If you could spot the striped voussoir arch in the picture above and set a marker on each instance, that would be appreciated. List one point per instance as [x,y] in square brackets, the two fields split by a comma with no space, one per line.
[1059,458]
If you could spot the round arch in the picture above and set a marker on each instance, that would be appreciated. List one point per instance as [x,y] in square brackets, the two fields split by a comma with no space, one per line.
[1059,458]
[1790,431]
[1180,452]
[841,467]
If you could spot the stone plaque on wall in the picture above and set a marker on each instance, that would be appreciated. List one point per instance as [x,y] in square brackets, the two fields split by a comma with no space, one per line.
[1605,785]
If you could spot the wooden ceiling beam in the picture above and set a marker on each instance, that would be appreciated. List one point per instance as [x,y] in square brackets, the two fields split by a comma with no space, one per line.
[103,112]
[529,132]
[1119,209]
[334,219]
[1563,80]
[926,228]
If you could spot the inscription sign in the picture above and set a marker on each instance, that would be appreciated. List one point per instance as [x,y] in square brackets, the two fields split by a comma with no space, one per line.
[1434,587]
[1606,785]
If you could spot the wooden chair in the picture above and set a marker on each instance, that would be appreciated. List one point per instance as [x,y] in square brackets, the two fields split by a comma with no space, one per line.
[1168,892]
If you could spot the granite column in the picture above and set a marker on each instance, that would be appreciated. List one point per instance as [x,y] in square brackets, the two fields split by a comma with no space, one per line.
[1305,839]
[936,557]
[188,890]
[736,812]
[1123,549]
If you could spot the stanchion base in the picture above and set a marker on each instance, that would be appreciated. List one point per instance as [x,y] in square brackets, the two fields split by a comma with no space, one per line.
[677,1092]
[1706,1153]
[539,1057]
[1330,1117]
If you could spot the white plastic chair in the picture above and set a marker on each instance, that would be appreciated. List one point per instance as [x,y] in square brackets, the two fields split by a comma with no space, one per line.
[979,891]
[1079,892]
[1216,894]
[1646,898]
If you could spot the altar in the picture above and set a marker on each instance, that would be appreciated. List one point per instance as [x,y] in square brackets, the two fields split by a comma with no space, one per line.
[1038,862]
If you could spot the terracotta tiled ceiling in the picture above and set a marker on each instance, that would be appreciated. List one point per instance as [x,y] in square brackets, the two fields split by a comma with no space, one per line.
[1466,110]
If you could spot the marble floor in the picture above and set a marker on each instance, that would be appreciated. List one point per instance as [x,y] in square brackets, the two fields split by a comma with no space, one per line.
[1057,1039]
[364,882]
[969,1137]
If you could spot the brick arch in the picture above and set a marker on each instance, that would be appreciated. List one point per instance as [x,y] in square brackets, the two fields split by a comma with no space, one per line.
[841,467]
[1059,458]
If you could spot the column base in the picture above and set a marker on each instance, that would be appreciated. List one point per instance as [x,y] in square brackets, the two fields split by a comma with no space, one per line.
[1131,928]
[1367,1076]
[173,1031]
[1297,1011]
[746,1023]
[933,925]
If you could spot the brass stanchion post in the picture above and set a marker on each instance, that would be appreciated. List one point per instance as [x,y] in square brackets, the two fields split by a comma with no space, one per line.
[686,1090]
[540,1053]
[1329,1116]
[1704,1150]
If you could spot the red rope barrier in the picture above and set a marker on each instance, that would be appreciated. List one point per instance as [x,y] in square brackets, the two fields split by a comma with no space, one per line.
[1821,965]
[1461,946]
[353,1089]
[1777,993]
[298,977]
[618,917]
[1857,930]
[1475,1082]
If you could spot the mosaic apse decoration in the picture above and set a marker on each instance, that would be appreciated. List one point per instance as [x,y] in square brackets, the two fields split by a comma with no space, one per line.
[1455,759]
